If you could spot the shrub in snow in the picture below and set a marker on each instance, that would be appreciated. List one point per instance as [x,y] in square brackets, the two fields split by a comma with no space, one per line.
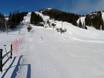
[29,28]
[61,30]
[50,23]
[41,24]
[53,25]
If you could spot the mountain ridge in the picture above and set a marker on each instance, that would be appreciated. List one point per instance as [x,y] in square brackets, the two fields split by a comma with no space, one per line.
[93,19]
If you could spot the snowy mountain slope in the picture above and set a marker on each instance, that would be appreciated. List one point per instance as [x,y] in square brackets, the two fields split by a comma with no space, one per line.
[77,53]
[52,55]
[72,30]
[94,19]
[48,15]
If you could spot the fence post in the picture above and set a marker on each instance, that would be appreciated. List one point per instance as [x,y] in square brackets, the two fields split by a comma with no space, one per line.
[1,50]
[11,51]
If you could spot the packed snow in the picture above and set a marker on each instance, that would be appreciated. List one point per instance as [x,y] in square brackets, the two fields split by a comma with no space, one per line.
[76,53]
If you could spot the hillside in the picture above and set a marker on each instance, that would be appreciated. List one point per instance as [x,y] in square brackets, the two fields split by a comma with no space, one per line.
[47,17]
[52,53]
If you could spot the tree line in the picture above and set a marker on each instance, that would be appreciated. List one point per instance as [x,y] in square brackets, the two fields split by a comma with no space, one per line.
[95,19]
[61,15]
[11,21]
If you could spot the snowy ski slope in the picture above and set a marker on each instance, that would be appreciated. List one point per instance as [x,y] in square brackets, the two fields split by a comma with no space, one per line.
[77,53]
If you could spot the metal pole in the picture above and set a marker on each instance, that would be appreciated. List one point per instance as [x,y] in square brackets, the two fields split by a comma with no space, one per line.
[1,50]
[5,49]
[11,51]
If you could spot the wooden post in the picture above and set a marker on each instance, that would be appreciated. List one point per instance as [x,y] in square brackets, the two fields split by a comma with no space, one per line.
[1,50]
[11,51]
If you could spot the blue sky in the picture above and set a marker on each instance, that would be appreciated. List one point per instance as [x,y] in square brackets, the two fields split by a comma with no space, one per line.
[76,6]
